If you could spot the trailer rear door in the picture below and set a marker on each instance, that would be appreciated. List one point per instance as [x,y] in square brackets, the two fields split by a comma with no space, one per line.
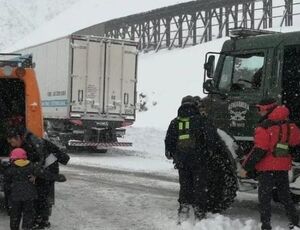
[120,79]
[87,76]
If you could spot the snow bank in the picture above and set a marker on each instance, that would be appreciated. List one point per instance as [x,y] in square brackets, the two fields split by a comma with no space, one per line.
[217,222]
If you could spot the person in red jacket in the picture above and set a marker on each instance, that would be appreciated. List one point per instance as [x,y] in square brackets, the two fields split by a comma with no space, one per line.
[275,136]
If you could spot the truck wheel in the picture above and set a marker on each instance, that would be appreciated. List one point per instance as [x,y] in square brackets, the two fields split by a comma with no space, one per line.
[96,150]
[72,149]
[101,150]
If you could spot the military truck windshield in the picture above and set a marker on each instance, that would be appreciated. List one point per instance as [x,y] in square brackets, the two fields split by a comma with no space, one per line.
[241,72]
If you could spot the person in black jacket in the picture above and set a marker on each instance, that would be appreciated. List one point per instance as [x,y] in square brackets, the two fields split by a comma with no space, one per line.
[38,150]
[185,142]
[20,137]
[206,174]
[22,191]
[45,187]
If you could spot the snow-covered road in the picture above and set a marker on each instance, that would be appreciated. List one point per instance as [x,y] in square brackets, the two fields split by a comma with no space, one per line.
[99,198]
[107,199]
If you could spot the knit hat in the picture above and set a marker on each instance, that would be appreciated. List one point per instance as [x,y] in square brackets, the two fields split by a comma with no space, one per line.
[17,154]
[187,99]
[198,101]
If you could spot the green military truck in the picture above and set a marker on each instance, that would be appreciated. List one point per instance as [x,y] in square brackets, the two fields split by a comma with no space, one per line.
[252,64]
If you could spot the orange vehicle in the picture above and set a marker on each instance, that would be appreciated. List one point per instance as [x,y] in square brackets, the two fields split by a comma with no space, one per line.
[19,97]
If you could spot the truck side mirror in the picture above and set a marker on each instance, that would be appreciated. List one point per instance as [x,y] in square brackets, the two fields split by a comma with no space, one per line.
[209,66]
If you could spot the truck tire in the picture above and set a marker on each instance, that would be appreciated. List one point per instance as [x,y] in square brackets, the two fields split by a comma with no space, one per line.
[96,150]
[73,149]
[222,180]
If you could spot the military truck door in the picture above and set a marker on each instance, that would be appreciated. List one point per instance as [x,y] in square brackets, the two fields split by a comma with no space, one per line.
[240,81]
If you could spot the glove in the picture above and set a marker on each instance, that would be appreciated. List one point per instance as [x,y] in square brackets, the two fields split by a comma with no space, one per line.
[252,174]
[168,155]
[242,173]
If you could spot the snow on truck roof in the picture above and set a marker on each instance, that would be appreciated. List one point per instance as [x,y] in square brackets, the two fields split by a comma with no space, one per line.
[86,13]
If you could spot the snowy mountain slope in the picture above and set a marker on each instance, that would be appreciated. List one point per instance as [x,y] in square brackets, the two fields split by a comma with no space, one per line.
[167,76]
[18,18]
[87,13]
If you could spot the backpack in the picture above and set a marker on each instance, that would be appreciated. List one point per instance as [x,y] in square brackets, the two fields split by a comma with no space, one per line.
[186,141]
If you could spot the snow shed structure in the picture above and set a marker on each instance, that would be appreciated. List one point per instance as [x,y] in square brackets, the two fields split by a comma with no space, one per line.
[195,22]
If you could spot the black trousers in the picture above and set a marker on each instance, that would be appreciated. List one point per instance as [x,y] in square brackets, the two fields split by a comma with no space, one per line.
[19,208]
[267,181]
[193,183]
[42,204]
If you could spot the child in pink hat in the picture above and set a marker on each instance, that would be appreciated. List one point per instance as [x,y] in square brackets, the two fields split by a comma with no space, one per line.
[22,190]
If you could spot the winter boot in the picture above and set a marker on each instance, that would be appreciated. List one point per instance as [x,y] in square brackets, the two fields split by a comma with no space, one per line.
[199,213]
[60,178]
[45,224]
[39,223]
[42,225]
[183,213]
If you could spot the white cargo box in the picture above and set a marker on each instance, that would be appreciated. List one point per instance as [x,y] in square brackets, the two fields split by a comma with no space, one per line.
[86,77]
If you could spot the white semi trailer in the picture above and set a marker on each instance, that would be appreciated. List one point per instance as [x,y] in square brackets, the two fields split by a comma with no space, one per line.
[88,89]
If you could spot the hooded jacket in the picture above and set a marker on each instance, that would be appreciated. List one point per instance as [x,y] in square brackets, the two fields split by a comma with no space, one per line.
[273,128]
[17,180]
[200,130]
